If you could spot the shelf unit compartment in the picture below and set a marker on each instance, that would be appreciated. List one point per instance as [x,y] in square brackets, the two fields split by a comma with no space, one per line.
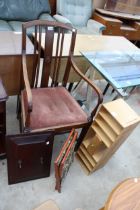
[111,121]
[97,149]
[106,128]
[99,152]
[102,135]
[87,171]
[87,155]
[95,143]
[85,160]
[89,137]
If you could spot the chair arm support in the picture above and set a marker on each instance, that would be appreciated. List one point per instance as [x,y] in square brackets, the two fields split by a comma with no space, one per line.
[90,83]
[95,26]
[46,16]
[62,19]
[27,84]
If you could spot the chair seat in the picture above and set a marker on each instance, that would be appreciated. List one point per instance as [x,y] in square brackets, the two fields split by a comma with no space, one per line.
[53,108]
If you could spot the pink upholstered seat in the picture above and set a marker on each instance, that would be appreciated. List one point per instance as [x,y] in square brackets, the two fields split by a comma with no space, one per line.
[54,107]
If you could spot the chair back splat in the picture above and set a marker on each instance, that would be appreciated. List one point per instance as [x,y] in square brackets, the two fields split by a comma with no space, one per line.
[47,104]
[49,41]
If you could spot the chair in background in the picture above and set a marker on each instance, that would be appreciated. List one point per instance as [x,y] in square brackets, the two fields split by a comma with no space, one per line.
[51,106]
[77,13]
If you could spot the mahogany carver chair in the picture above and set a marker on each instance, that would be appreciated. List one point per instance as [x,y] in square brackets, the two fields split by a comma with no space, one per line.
[47,104]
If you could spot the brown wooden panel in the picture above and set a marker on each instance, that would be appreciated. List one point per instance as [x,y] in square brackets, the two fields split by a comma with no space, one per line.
[112,24]
[29,156]
[129,33]
[10,69]
[136,25]
[108,21]
[53,6]
[10,60]
[111,32]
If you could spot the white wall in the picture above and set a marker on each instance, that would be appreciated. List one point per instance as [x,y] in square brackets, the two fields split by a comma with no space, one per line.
[98,3]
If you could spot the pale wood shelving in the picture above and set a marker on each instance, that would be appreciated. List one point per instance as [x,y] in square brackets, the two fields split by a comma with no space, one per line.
[112,125]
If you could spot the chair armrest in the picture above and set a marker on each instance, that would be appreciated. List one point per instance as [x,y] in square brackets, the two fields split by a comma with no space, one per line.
[62,19]
[95,26]
[46,16]
[90,83]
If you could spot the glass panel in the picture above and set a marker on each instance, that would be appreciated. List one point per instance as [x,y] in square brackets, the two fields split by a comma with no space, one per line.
[121,69]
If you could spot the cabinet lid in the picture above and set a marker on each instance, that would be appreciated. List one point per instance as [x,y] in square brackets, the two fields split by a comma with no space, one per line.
[122,112]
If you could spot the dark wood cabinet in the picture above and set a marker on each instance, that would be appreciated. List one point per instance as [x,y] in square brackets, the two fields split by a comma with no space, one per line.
[3,98]
[29,156]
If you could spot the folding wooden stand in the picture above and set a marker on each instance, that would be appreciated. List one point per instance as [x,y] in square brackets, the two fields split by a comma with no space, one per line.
[64,160]
[113,124]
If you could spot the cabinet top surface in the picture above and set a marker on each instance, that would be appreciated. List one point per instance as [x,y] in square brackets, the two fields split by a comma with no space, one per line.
[11,43]
[122,112]
[85,42]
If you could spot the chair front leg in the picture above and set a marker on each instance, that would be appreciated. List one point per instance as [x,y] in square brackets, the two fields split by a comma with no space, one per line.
[82,135]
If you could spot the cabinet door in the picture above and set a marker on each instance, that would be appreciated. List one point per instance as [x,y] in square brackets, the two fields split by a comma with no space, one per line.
[29,156]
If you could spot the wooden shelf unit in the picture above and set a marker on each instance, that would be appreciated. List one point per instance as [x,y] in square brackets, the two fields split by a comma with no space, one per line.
[112,125]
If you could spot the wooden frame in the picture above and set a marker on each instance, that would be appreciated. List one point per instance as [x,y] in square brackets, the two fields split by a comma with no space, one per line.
[65,159]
